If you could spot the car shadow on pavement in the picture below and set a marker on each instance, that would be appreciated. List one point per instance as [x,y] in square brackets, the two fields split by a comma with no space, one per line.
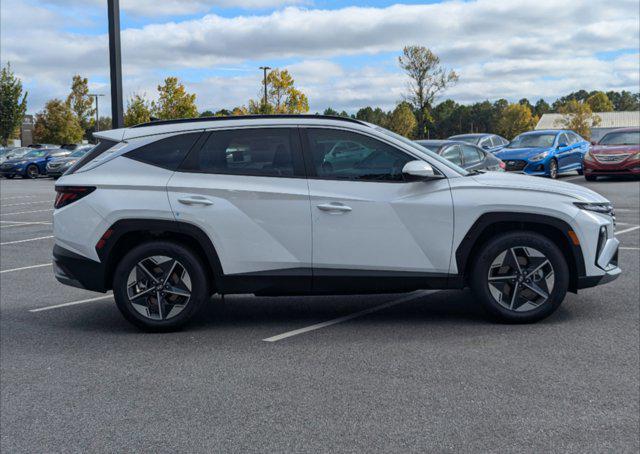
[279,314]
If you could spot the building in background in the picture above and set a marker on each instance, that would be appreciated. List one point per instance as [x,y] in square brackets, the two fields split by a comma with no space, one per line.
[608,121]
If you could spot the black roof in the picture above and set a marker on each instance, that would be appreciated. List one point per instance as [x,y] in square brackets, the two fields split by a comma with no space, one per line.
[155,122]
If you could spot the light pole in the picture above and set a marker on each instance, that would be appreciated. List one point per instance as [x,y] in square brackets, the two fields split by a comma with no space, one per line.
[264,81]
[115,63]
[96,95]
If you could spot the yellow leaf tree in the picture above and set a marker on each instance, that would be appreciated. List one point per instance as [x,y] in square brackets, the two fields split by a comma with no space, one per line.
[138,110]
[578,117]
[402,120]
[515,119]
[282,96]
[57,124]
[600,102]
[174,101]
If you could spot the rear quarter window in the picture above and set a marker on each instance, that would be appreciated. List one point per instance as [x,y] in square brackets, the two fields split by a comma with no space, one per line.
[167,153]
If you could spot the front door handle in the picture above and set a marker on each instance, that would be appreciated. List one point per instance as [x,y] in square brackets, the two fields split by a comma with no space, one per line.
[335,207]
[195,200]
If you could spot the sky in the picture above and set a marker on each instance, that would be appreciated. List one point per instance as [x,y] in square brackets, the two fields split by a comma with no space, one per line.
[342,54]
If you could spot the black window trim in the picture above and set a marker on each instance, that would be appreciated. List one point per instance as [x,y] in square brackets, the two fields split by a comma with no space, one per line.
[196,143]
[299,170]
[311,169]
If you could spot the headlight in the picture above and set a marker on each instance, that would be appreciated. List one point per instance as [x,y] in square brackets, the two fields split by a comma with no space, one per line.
[68,164]
[539,157]
[637,155]
[588,156]
[598,207]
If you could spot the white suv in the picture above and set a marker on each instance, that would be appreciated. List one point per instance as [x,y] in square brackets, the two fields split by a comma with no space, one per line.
[169,212]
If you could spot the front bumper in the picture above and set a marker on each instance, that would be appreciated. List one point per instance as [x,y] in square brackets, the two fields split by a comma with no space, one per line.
[78,271]
[538,168]
[593,281]
[4,171]
[596,168]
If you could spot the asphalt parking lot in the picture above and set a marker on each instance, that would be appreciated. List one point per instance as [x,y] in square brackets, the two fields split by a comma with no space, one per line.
[391,373]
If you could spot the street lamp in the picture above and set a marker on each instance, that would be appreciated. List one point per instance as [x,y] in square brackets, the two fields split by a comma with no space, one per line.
[96,95]
[265,69]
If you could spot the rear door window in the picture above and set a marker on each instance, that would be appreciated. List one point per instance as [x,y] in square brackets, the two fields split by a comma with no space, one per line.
[471,155]
[452,154]
[167,153]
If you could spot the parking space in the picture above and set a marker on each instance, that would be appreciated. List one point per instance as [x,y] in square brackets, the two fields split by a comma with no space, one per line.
[418,372]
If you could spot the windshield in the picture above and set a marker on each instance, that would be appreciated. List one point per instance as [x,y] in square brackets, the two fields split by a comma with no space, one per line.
[422,150]
[533,141]
[35,154]
[80,153]
[621,138]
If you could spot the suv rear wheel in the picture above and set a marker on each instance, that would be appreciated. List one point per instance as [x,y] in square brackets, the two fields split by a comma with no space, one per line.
[520,277]
[160,285]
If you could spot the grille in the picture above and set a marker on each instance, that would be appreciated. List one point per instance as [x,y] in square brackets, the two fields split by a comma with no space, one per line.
[511,165]
[54,166]
[7,166]
[611,158]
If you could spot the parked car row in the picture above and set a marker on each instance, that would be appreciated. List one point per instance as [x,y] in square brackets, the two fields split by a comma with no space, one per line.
[30,162]
[548,153]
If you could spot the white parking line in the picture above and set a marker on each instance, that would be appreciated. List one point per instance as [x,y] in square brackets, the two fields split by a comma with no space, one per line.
[630,248]
[26,212]
[18,197]
[25,268]
[27,240]
[572,178]
[630,229]
[27,203]
[345,318]
[24,224]
[72,303]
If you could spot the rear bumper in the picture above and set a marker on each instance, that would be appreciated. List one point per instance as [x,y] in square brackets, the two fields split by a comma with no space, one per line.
[78,271]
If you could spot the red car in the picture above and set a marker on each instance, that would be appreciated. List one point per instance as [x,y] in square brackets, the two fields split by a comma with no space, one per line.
[617,153]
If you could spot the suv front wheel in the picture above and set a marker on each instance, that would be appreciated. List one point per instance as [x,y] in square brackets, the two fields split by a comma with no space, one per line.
[160,285]
[520,277]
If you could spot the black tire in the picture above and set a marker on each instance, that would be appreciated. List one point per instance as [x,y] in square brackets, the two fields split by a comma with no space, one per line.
[32,172]
[590,178]
[9,177]
[491,251]
[553,169]
[580,171]
[191,263]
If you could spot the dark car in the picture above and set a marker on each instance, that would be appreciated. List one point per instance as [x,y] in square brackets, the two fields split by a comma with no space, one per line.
[488,142]
[466,155]
[617,153]
[32,164]
[57,166]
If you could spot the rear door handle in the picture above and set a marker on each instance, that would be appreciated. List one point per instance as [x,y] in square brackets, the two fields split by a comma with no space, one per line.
[335,207]
[195,200]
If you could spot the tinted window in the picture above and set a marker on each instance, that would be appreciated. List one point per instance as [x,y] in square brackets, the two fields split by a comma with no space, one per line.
[621,138]
[563,139]
[471,155]
[96,151]
[351,156]
[258,152]
[166,153]
[532,141]
[453,154]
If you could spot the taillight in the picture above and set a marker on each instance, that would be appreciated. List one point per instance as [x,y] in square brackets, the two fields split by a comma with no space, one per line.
[69,194]
[502,165]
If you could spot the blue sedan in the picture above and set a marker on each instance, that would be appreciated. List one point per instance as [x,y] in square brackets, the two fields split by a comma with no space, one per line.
[32,164]
[545,153]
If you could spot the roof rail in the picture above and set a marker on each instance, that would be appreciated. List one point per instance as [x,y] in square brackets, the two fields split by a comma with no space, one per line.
[245,117]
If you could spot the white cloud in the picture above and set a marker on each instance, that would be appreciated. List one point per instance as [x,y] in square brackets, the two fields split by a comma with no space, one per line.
[501,49]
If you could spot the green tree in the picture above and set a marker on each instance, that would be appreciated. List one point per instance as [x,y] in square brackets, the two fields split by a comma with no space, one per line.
[624,101]
[174,101]
[57,124]
[104,124]
[525,102]
[13,104]
[402,120]
[331,112]
[138,110]
[81,103]
[376,116]
[515,119]
[578,117]
[599,102]
[427,78]
[542,107]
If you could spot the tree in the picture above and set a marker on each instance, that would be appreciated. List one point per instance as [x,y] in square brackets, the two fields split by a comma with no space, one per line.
[525,102]
[138,110]
[13,104]
[515,119]
[624,100]
[541,108]
[330,111]
[580,95]
[427,78]
[282,95]
[238,111]
[81,103]
[578,117]
[599,102]
[174,101]
[376,116]
[402,120]
[57,123]
[104,124]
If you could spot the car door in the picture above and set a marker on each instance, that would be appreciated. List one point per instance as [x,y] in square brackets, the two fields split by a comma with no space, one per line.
[472,157]
[246,189]
[564,152]
[581,147]
[369,221]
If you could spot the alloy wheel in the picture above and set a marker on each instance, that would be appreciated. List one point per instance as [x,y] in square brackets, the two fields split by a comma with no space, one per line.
[159,287]
[553,169]
[32,172]
[521,279]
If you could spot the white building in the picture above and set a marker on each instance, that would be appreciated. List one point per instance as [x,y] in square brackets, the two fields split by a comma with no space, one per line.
[608,121]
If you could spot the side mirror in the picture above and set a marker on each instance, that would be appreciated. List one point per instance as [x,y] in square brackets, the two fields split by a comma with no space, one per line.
[419,169]
[593,142]
[562,145]
[485,146]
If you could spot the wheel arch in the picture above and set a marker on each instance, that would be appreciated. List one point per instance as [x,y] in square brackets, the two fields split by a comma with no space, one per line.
[127,233]
[489,225]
